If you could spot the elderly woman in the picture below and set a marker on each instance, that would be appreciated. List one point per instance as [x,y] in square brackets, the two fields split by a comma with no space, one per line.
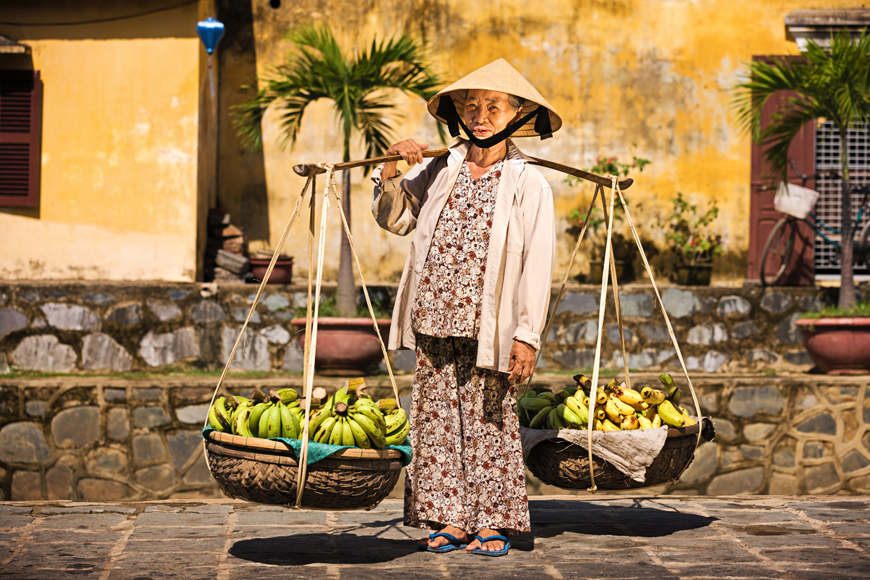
[472,301]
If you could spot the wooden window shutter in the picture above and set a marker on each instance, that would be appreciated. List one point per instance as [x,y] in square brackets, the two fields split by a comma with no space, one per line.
[20,131]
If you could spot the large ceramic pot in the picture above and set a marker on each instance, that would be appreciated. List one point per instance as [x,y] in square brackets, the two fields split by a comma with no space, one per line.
[596,272]
[838,346]
[282,273]
[346,346]
[697,275]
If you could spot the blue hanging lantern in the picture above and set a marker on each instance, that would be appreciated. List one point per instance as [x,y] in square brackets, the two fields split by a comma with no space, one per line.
[210,31]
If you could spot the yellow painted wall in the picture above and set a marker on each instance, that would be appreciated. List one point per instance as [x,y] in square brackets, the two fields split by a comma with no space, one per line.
[629,77]
[119,162]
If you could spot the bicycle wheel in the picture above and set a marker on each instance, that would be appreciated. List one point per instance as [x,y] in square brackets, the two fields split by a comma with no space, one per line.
[777,251]
[861,246]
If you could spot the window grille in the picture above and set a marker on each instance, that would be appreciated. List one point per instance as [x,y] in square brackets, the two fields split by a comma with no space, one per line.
[829,206]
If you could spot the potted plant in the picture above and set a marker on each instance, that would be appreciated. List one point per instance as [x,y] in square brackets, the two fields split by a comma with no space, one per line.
[597,230]
[356,84]
[827,83]
[688,237]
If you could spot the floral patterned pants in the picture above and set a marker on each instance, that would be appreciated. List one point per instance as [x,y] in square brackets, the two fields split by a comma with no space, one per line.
[467,469]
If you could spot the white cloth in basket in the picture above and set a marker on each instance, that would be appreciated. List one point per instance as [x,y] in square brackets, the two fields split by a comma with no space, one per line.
[631,452]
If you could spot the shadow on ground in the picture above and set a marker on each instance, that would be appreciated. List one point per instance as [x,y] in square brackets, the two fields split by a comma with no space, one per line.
[368,543]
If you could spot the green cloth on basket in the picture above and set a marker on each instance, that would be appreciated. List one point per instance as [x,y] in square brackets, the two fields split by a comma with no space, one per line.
[318,451]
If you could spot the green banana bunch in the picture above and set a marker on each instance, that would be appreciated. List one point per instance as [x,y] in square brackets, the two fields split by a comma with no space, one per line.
[541,417]
[537,401]
[240,421]
[374,433]
[673,391]
[289,423]
[287,396]
[577,413]
[242,404]
[257,413]
[219,415]
[325,429]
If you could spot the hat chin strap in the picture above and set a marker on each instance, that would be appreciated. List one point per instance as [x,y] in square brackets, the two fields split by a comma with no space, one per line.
[447,111]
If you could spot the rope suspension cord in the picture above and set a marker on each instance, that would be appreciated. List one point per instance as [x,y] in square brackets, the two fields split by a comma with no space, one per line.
[311,339]
[667,319]
[596,365]
[615,284]
[544,336]
[274,259]
[311,326]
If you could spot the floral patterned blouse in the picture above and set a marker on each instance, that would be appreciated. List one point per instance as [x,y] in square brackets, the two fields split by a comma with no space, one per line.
[448,298]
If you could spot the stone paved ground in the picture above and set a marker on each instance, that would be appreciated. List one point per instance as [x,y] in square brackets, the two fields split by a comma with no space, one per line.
[824,537]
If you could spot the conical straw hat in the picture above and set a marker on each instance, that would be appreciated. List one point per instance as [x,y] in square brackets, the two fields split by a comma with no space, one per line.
[498,76]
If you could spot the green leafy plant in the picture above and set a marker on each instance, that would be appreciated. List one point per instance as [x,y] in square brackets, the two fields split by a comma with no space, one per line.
[859,310]
[610,166]
[826,83]
[597,230]
[687,232]
[356,84]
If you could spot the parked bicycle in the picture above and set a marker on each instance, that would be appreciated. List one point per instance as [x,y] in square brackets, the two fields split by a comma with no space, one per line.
[798,205]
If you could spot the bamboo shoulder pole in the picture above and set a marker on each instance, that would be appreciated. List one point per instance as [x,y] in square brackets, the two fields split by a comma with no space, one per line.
[308,169]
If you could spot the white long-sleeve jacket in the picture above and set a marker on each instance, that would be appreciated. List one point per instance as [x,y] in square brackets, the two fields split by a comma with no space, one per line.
[519,263]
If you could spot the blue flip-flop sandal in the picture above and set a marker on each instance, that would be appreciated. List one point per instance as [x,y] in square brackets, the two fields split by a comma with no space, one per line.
[494,553]
[455,543]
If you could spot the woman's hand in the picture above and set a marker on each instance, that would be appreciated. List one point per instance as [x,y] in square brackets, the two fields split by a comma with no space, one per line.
[522,362]
[411,152]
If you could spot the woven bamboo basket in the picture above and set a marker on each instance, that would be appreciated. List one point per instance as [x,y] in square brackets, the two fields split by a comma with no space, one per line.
[562,464]
[264,471]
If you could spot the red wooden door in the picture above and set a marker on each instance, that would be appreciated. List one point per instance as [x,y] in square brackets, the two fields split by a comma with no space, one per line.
[762,216]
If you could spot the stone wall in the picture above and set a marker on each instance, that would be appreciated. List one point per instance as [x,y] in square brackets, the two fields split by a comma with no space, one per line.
[139,327]
[776,436]
[723,330]
[109,439]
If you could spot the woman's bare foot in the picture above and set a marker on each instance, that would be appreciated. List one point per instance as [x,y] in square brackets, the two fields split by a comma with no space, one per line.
[442,541]
[493,546]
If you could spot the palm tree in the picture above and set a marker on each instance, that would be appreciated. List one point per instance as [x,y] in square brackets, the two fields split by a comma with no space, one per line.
[356,85]
[829,83]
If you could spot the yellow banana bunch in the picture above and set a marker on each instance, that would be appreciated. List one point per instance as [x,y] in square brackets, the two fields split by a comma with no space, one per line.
[644,422]
[628,396]
[397,427]
[629,423]
[670,415]
[652,396]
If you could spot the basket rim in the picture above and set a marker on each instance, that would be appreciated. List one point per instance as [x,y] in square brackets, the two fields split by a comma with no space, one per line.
[281,447]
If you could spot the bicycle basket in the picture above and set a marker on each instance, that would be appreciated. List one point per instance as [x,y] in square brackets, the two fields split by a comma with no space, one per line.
[794,200]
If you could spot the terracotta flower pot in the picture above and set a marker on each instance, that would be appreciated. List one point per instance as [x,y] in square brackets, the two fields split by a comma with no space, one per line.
[282,273]
[839,346]
[347,346]
[596,272]
[698,275]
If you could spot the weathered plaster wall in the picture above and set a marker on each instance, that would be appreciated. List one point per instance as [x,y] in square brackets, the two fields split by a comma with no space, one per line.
[119,150]
[630,77]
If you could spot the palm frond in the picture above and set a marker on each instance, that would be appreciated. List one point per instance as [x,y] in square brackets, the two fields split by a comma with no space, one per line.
[317,69]
[376,131]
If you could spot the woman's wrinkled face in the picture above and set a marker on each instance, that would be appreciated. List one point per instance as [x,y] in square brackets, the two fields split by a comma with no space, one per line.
[488,112]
